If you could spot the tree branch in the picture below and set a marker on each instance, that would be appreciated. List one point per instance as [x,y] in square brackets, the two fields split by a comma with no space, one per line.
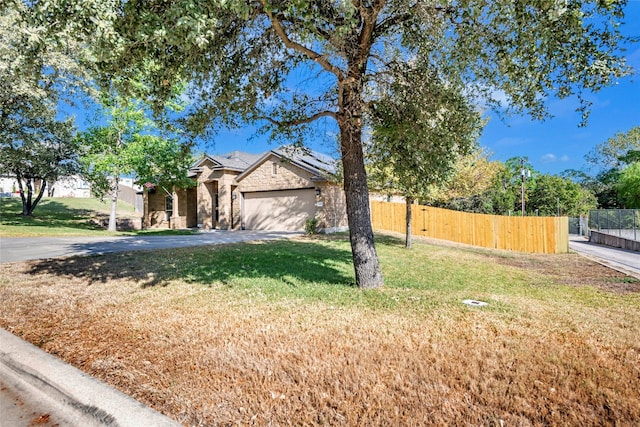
[311,54]
[299,122]
[393,20]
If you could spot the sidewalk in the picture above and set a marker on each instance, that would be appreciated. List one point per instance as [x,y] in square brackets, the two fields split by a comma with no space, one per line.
[39,389]
[625,261]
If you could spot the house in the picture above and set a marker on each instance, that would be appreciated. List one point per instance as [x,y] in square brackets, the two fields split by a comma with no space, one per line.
[277,190]
[69,186]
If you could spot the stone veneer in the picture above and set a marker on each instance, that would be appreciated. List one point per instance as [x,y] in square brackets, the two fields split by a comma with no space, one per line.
[287,177]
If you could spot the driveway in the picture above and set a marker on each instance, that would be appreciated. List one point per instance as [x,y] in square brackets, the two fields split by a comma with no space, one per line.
[622,260]
[14,249]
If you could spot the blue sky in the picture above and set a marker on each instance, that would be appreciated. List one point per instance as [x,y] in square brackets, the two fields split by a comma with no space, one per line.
[552,146]
[559,143]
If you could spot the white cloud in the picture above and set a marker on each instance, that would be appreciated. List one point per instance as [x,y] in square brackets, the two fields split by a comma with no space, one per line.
[552,158]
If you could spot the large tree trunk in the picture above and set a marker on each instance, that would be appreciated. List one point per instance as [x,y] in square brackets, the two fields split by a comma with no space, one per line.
[408,237]
[365,258]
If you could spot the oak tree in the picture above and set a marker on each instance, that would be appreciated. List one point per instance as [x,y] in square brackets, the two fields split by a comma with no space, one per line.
[290,64]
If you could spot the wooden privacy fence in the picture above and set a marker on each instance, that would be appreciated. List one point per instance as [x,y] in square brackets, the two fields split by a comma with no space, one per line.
[521,234]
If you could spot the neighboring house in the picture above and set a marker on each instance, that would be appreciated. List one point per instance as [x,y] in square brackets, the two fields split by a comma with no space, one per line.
[278,190]
[72,186]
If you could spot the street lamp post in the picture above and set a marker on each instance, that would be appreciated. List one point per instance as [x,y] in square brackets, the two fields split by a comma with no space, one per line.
[524,173]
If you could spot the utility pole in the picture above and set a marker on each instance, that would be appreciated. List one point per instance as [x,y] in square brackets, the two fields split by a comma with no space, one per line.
[524,173]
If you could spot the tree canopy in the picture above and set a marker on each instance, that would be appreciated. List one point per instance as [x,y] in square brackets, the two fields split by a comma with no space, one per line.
[36,146]
[609,160]
[247,61]
[629,186]
[130,144]
[419,131]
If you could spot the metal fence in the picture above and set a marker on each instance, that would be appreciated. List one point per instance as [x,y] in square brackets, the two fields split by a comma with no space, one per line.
[579,225]
[623,223]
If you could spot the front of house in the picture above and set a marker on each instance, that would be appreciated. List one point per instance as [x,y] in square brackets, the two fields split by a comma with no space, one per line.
[277,190]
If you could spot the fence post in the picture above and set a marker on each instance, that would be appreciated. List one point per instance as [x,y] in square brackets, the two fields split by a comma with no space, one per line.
[619,222]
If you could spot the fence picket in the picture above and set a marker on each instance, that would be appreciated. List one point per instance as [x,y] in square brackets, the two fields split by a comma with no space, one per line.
[528,234]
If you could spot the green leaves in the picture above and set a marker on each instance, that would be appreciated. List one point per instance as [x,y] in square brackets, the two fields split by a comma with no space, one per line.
[421,126]
[131,144]
[629,186]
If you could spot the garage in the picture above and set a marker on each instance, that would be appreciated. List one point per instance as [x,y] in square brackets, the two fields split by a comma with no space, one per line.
[285,210]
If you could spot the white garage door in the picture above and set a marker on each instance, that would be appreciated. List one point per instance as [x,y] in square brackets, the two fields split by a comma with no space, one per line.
[278,210]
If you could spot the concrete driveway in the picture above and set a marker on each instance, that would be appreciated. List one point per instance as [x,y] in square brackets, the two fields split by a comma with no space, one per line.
[14,249]
[625,261]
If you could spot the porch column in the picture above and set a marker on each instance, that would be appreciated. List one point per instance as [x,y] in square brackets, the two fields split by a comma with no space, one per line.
[205,200]
[146,221]
[224,206]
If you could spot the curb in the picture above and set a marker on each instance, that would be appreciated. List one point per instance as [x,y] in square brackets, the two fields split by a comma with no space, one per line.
[65,394]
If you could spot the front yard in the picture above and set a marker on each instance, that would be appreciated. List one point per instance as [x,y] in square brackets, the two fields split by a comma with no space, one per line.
[274,333]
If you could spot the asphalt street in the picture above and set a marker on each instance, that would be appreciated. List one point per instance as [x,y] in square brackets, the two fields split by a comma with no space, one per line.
[14,249]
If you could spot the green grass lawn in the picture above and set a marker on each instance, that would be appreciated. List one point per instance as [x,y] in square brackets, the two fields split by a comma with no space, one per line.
[64,216]
[276,333]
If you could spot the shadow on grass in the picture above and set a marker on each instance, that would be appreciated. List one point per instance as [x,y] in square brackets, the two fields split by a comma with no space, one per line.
[292,262]
[48,214]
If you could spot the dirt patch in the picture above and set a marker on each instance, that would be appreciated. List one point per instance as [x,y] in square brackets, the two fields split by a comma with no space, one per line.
[572,269]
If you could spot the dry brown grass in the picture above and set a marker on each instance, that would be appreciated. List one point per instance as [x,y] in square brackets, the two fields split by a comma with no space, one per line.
[210,355]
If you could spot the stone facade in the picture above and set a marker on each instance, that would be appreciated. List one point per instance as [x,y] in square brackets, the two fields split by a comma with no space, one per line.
[275,174]
[184,213]
[155,209]
[331,208]
[215,205]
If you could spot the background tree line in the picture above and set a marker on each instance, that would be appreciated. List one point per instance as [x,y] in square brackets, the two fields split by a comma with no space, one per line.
[610,180]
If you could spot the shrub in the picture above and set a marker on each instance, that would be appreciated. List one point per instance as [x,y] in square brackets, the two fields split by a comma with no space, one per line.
[311,226]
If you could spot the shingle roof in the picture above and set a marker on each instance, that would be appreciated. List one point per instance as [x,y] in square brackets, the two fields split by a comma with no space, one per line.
[237,160]
[320,165]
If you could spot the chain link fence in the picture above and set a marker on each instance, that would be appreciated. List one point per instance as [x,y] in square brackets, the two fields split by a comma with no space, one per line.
[623,223]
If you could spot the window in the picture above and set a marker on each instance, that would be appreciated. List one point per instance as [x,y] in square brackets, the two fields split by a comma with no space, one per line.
[168,204]
[275,169]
